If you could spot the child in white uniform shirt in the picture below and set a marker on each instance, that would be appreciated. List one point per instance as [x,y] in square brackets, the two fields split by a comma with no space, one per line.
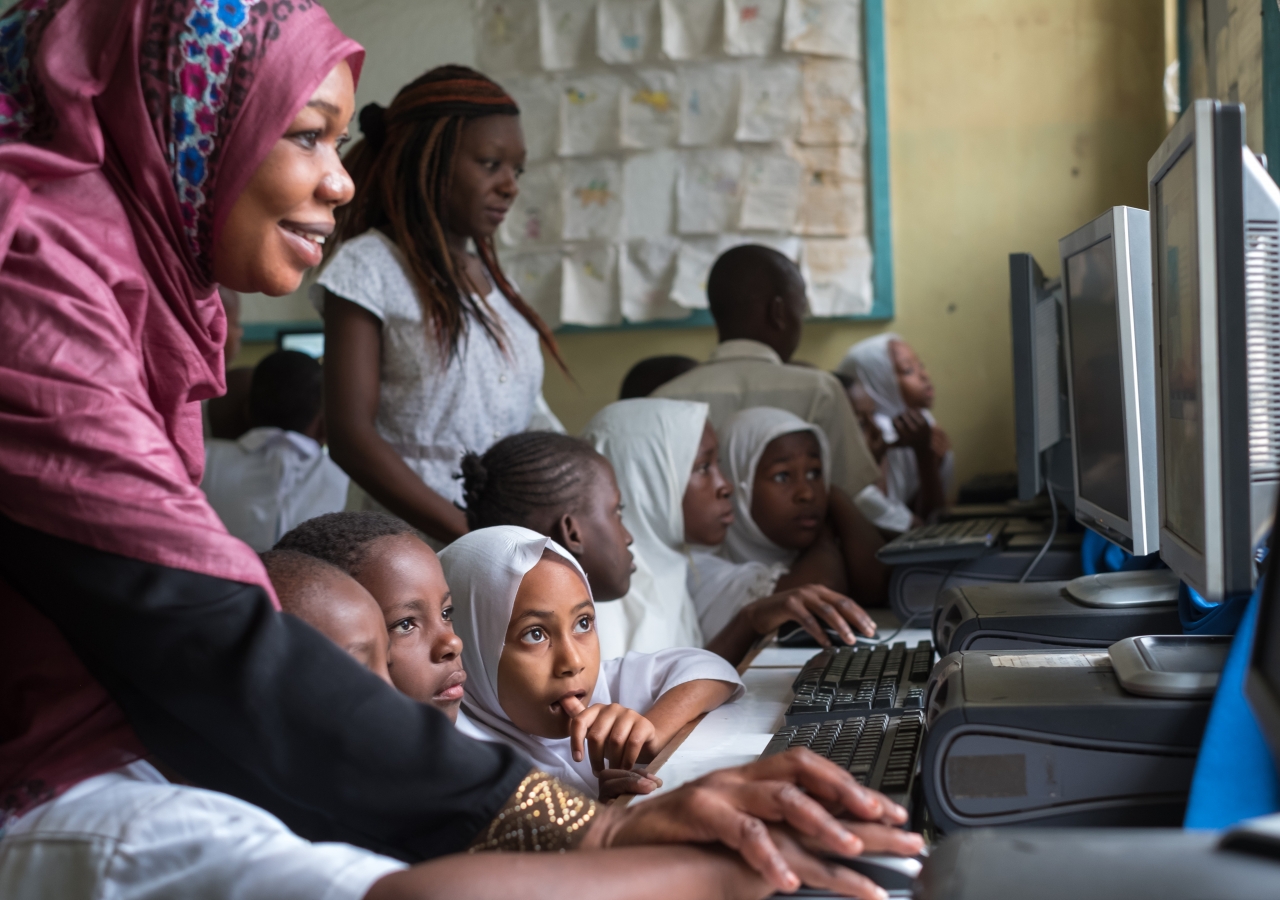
[277,474]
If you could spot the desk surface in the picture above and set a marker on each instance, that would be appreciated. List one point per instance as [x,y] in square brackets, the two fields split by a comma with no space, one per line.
[736,733]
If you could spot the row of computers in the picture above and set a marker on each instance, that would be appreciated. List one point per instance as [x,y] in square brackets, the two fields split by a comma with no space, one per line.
[1148,399]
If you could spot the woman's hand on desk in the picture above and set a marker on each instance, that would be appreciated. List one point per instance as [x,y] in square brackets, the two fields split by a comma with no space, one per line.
[806,605]
[796,790]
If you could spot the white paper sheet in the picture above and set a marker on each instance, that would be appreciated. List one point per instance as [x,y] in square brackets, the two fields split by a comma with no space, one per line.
[788,245]
[538,97]
[536,275]
[752,27]
[566,32]
[535,217]
[589,114]
[693,265]
[650,109]
[823,27]
[769,104]
[646,276]
[838,273]
[690,27]
[770,192]
[589,293]
[649,194]
[832,192]
[708,191]
[507,36]
[832,110]
[626,30]
[708,104]
[592,199]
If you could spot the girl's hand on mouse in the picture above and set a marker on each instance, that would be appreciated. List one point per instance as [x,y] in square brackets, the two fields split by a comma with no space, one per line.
[807,605]
[611,732]
[615,783]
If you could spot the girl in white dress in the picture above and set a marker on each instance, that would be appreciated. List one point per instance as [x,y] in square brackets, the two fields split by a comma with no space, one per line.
[430,351]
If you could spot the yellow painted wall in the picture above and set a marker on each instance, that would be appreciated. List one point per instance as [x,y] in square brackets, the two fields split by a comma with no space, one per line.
[1012,123]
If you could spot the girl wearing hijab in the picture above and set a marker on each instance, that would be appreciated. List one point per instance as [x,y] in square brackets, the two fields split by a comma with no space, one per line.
[430,351]
[527,621]
[148,152]
[665,456]
[919,462]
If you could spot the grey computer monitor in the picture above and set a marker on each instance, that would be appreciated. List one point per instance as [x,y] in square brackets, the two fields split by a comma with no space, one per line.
[1106,272]
[1041,427]
[1215,242]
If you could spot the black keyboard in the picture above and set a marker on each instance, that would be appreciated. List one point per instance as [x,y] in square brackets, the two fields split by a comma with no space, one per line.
[859,681]
[944,542]
[881,751]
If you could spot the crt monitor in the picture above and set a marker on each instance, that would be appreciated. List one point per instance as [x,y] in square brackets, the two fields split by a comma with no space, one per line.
[1039,384]
[309,341]
[1106,270]
[1215,242]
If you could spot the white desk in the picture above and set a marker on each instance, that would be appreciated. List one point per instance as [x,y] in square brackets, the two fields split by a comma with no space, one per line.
[736,733]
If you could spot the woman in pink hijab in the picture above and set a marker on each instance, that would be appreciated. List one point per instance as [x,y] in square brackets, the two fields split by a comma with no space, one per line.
[150,150]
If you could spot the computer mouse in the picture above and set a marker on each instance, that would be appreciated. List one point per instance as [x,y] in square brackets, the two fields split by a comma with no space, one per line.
[893,873]
[794,635]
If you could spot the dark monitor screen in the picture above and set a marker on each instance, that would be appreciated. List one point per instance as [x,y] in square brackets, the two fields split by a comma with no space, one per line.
[1181,408]
[1098,397]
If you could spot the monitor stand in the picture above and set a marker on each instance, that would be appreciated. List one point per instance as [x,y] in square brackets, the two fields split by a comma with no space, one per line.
[1121,590]
[1170,665]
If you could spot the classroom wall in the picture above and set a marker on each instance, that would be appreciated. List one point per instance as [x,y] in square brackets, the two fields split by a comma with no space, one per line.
[1012,122]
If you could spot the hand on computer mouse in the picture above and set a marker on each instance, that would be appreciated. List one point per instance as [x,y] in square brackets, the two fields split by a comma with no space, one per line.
[807,605]
[819,873]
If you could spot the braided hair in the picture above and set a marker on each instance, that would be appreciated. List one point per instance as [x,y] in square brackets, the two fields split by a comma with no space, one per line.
[342,539]
[402,169]
[528,479]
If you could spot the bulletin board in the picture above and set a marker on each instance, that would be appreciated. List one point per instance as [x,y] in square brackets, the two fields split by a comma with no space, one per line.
[662,132]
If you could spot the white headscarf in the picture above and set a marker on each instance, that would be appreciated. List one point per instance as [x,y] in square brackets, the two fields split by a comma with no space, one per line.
[652,444]
[484,569]
[744,439]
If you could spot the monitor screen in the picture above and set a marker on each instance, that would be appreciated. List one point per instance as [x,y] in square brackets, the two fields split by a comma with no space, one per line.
[1180,409]
[308,342]
[1096,378]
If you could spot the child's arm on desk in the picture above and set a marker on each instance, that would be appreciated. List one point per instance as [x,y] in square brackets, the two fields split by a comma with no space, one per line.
[680,706]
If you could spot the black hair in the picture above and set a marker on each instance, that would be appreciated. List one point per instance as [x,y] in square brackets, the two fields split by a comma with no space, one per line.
[845,379]
[342,539]
[527,479]
[297,577]
[650,374]
[744,278]
[286,391]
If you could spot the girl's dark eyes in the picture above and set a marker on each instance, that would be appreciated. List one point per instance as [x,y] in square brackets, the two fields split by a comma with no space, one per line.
[447,613]
[404,626]
[534,635]
[308,139]
[582,626]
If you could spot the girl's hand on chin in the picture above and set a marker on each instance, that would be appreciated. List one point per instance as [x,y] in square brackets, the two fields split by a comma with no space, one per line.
[611,732]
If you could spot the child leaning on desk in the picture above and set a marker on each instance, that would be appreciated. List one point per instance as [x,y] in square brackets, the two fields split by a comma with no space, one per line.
[527,622]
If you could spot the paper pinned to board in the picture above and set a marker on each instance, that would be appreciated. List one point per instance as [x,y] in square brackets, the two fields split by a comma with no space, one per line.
[1091,659]
[752,27]
[693,264]
[626,30]
[650,109]
[823,27]
[646,277]
[566,33]
[832,195]
[589,114]
[536,216]
[538,97]
[591,197]
[689,28]
[838,273]
[769,102]
[536,275]
[770,192]
[708,104]
[649,193]
[708,191]
[589,293]
[507,36]
[833,110]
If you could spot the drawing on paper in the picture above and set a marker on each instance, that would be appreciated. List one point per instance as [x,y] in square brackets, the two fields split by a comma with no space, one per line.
[565,32]
[823,27]
[592,200]
[752,27]
[768,110]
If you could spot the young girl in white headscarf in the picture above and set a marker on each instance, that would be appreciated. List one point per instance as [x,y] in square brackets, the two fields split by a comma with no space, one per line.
[678,507]
[919,463]
[525,614]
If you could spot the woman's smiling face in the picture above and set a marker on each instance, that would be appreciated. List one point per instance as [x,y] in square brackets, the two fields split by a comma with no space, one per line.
[276,229]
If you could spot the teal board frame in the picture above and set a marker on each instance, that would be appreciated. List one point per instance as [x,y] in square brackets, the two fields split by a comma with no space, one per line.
[881,222]
[1271,86]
